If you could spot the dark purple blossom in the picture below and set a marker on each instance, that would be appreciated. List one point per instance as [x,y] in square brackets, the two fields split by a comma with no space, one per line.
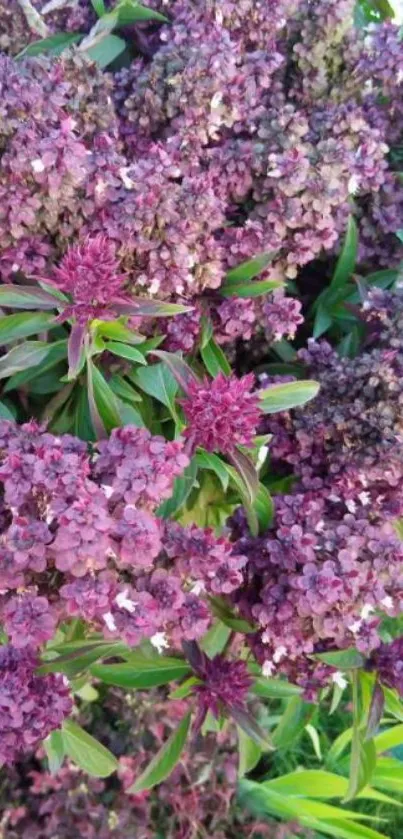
[31,706]
[225,686]
[387,660]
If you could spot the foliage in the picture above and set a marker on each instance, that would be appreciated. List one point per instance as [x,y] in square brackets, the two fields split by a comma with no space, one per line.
[201,498]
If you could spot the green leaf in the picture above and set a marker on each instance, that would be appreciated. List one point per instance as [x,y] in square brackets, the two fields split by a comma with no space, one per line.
[158,381]
[116,331]
[86,752]
[247,290]
[99,7]
[249,753]
[323,320]
[26,297]
[56,352]
[5,412]
[141,672]
[55,751]
[102,401]
[208,460]
[215,639]
[264,508]
[270,688]
[246,469]
[393,704]
[122,350]
[222,610]
[389,739]
[283,397]
[363,753]
[130,11]
[78,659]
[316,783]
[124,390]
[21,325]
[107,50]
[349,659]
[388,774]
[55,44]
[185,689]
[214,359]
[348,257]
[164,761]
[292,723]
[182,488]
[22,357]
[315,740]
[250,269]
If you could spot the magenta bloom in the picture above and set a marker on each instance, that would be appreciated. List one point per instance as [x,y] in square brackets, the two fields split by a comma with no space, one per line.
[31,706]
[222,413]
[29,620]
[89,273]
[224,687]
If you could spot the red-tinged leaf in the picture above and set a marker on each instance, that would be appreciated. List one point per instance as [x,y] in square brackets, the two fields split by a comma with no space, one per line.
[375,711]
[181,371]
[245,720]
[26,297]
[75,349]
[246,469]
[150,308]
[195,656]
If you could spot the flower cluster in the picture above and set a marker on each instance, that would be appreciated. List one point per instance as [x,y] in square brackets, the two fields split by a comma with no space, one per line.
[80,538]
[221,414]
[333,561]
[241,128]
[30,705]
[388,662]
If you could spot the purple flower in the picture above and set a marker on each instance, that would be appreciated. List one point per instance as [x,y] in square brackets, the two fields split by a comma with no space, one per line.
[89,273]
[388,661]
[83,539]
[225,686]
[29,620]
[133,616]
[31,706]
[90,597]
[139,467]
[221,413]
[141,538]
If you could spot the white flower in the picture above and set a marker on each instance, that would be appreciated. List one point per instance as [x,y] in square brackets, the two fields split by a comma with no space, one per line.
[198,588]
[268,668]
[387,602]
[127,181]
[365,498]
[351,506]
[216,100]
[279,653]
[353,185]
[124,602]
[108,491]
[109,620]
[339,679]
[159,641]
[355,627]
[366,611]
[37,165]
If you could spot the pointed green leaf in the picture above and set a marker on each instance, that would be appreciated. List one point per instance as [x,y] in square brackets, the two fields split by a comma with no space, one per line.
[182,488]
[87,752]
[249,290]
[24,324]
[349,659]
[158,381]
[348,257]
[292,723]
[55,44]
[289,395]
[249,270]
[142,673]
[165,760]
[102,400]
[130,11]
[55,751]
[124,351]
[215,359]
[106,50]
[249,753]
[23,356]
